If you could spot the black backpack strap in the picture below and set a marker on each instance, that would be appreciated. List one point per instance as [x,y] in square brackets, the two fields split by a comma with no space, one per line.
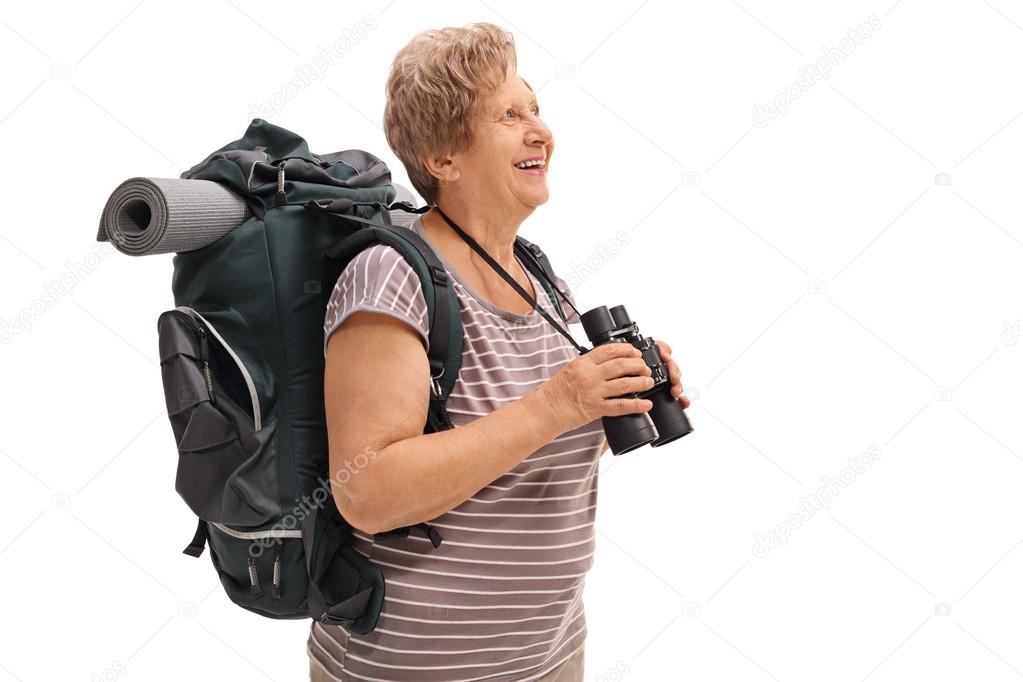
[537,262]
[403,532]
[344,588]
[198,543]
[445,347]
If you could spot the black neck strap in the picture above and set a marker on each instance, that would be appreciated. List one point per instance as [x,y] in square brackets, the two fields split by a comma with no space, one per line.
[508,278]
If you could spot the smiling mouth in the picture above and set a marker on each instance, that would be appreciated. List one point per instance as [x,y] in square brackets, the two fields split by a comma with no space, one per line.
[533,170]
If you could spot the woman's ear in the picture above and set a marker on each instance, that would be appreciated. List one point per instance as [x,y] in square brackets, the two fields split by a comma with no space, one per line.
[443,168]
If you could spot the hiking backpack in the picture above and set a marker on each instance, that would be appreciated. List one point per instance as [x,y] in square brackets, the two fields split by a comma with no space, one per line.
[242,364]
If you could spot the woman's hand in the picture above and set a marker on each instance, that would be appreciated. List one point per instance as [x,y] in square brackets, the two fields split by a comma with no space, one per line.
[587,387]
[673,372]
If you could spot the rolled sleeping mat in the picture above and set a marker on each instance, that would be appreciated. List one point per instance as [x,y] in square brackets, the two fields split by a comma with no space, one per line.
[145,216]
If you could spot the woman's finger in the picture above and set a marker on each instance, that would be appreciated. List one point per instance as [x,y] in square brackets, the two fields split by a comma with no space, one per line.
[674,372]
[675,375]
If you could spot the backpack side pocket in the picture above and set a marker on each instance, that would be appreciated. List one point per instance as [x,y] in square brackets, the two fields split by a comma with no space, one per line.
[262,571]
[344,587]
[227,464]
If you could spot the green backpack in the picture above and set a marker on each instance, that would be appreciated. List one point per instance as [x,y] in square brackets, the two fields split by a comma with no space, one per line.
[241,357]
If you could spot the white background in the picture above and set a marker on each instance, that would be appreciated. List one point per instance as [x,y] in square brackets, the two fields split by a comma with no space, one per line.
[845,277]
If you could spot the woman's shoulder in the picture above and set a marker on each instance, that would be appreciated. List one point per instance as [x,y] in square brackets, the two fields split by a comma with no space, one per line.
[378,279]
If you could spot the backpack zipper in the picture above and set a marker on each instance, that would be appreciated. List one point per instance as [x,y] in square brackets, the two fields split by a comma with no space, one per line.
[257,534]
[275,590]
[204,353]
[201,322]
[253,578]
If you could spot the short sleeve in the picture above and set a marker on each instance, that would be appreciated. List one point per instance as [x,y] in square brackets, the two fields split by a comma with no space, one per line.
[571,315]
[378,280]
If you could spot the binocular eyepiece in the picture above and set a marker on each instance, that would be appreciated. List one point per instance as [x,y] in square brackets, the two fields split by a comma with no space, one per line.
[666,420]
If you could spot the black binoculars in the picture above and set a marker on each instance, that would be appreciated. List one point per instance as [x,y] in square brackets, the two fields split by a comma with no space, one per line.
[666,420]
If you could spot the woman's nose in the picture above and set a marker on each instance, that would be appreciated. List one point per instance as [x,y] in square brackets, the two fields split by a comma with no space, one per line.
[538,131]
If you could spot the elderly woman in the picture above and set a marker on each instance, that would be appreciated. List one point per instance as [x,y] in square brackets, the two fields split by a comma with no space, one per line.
[513,487]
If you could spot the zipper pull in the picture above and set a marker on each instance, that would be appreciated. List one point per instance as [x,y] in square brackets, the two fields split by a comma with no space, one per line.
[204,353]
[253,578]
[209,381]
[275,591]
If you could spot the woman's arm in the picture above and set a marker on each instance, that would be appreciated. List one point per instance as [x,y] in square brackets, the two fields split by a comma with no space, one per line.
[376,394]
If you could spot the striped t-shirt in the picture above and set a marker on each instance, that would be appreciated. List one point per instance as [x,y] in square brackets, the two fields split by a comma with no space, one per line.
[501,598]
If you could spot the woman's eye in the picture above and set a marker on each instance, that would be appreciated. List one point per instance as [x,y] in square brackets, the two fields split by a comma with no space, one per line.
[511,112]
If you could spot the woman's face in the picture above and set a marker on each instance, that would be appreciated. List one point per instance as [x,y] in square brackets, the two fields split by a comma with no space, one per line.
[507,131]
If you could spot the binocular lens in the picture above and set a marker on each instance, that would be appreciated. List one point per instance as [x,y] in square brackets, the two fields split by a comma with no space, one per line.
[629,431]
[620,316]
[597,323]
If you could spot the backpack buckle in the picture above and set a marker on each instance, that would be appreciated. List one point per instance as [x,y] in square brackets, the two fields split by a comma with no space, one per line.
[439,274]
[434,384]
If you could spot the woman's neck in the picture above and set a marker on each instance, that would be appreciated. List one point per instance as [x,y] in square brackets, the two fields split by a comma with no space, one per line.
[495,236]
[497,241]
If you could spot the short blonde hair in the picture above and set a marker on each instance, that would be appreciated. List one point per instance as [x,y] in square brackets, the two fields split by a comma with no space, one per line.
[434,90]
